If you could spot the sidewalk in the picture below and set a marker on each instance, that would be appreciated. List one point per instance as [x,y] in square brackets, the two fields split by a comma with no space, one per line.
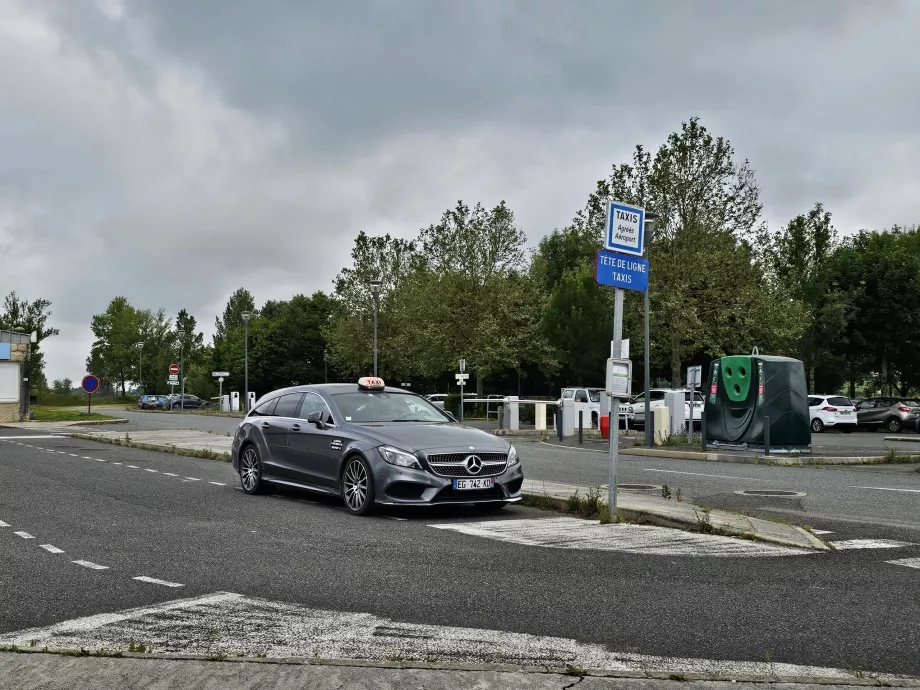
[34,670]
[643,508]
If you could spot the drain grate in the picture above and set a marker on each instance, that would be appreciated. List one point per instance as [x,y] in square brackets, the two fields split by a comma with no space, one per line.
[639,487]
[766,493]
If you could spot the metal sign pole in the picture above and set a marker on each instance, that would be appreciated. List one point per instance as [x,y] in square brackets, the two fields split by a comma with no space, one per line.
[691,384]
[461,400]
[615,406]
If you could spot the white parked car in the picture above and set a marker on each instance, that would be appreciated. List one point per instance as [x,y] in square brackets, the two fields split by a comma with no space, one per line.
[437,399]
[656,395]
[831,411]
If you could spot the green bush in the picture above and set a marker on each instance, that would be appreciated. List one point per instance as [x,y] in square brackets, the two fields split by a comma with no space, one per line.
[452,404]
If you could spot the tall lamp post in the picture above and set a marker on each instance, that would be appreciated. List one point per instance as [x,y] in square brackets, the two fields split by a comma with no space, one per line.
[246,316]
[650,219]
[325,366]
[181,335]
[140,368]
[375,291]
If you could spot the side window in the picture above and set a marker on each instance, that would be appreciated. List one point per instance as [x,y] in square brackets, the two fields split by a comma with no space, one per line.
[867,404]
[288,404]
[581,396]
[568,394]
[314,403]
[266,409]
[656,395]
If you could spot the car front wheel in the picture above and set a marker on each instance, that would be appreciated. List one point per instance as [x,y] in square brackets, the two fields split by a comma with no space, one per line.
[358,486]
[251,471]
[817,425]
[894,425]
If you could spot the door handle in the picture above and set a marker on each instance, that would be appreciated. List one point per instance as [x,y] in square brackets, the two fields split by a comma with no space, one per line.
[296,427]
[266,425]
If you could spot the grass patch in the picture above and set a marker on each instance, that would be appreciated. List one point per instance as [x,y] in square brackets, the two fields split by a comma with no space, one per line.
[66,400]
[590,506]
[43,414]
[892,456]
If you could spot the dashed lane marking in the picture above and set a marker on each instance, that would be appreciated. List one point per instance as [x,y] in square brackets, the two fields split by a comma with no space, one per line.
[73,455]
[4,524]
[217,483]
[170,474]
[91,565]
[907,562]
[147,469]
[133,467]
[155,581]
[24,535]
[193,479]
[51,549]
[885,488]
[98,459]
[573,533]
[850,544]
[86,457]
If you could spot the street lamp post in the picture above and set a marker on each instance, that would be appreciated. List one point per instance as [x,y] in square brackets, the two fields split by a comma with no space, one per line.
[140,368]
[650,219]
[375,291]
[246,316]
[181,335]
[325,366]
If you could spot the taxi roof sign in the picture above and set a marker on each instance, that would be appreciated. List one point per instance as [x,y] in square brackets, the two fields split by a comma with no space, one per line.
[371,383]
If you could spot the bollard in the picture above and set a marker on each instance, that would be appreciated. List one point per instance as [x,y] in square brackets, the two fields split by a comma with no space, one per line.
[581,429]
[559,423]
[501,416]
[650,423]
[766,435]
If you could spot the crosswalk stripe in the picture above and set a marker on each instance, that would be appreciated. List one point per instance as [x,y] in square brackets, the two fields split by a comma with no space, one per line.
[850,544]
[907,562]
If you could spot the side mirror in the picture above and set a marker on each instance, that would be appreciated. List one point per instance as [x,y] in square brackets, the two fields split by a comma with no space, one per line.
[317,419]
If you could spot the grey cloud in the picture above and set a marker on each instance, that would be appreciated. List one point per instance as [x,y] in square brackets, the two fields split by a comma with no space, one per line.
[216,144]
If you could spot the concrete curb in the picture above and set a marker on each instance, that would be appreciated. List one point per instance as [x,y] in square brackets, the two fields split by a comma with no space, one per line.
[174,450]
[888,681]
[792,461]
[42,424]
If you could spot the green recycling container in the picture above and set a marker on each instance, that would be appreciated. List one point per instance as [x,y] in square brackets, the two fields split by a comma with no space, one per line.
[744,391]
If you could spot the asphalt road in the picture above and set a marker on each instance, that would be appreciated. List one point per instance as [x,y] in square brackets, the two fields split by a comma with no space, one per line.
[183,521]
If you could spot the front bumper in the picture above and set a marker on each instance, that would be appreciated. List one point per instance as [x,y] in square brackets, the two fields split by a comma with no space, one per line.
[403,486]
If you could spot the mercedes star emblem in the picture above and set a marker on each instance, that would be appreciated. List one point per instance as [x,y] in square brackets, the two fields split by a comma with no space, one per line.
[473,464]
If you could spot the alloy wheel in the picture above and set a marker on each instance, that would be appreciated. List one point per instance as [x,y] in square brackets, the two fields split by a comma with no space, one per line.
[356,481]
[249,469]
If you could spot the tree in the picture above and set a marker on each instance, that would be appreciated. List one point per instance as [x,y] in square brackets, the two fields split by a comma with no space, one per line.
[114,354]
[62,386]
[800,257]
[33,317]
[707,283]
[229,335]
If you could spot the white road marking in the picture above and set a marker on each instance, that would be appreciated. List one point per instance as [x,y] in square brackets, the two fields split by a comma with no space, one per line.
[98,459]
[29,438]
[849,544]
[884,488]
[909,562]
[73,455]
[116,463]
[573,533]
[217,483]
[91,565]
[170,474]
[393,517]
[51,549]
[147,469]
[821,531]
[4,524]
[193,479]
[59,452]
[277,630]
[24,535]
[133,467]
[86,457]
[155,581]
[718,476]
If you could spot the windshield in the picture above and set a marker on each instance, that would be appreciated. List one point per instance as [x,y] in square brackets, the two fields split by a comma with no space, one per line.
[595,395]
[362,407]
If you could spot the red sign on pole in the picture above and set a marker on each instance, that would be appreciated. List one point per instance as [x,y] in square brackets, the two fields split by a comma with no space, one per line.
[174,369]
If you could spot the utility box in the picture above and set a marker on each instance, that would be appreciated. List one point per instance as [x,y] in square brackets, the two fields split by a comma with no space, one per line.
[674,401]
[235,401]
[746,392]
[569,417]
[252,401]
[225,403]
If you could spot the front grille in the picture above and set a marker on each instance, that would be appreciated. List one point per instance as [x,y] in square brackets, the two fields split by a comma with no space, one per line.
[453,464]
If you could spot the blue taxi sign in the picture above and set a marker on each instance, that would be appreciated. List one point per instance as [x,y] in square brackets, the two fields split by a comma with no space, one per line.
[374,383]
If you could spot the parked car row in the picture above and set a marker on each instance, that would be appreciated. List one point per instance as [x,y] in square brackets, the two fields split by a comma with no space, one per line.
[170,402]
[835,411]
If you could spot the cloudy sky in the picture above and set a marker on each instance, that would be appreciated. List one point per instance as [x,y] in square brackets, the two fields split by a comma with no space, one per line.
[173,150]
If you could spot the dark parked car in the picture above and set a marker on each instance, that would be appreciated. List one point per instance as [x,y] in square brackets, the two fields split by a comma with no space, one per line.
[191,402]
[372,445]
[893,414]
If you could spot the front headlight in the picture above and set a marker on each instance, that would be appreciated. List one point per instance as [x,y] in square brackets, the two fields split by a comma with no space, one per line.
[512,456]
[400,458]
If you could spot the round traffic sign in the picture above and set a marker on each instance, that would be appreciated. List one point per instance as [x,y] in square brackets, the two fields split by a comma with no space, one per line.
[90,384]
[174,369]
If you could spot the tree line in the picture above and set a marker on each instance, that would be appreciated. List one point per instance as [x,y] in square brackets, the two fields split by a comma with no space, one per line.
[530,320]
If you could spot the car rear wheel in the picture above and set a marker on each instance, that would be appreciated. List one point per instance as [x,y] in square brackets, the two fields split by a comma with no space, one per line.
[894,425]
[817,426]
[251,471]
[357,486]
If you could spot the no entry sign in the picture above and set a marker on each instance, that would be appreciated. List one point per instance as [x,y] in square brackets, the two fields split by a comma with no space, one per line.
[174,369]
